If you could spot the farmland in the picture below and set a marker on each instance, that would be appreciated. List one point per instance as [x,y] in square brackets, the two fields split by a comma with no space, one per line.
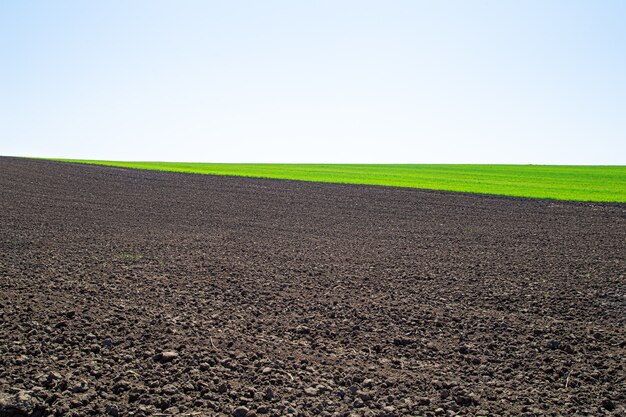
[143,293]
[581,183]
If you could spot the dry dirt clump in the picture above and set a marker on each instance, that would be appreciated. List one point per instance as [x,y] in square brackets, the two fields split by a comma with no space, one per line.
[138,293]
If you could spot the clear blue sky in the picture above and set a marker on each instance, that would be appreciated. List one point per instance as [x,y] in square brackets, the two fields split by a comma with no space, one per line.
[315,81]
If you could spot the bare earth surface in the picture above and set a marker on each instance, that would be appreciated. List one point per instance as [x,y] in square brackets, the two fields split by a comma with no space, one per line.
[138,293]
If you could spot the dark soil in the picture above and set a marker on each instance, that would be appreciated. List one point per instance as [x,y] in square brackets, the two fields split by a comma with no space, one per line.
[138,293]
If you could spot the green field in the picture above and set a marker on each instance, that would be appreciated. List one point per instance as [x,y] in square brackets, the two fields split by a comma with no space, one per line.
[582,183]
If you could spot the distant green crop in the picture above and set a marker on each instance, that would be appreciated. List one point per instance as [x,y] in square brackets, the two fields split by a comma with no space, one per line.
[560,182]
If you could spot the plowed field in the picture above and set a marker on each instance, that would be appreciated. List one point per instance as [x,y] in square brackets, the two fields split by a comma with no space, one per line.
[140,293]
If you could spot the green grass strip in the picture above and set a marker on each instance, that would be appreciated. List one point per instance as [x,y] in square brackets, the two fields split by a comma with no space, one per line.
[559,182]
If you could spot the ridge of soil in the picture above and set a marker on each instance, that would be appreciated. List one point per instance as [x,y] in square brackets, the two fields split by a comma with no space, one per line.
[143,293]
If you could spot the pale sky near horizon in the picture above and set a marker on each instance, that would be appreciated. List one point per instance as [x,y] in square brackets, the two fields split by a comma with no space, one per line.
[535,81]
